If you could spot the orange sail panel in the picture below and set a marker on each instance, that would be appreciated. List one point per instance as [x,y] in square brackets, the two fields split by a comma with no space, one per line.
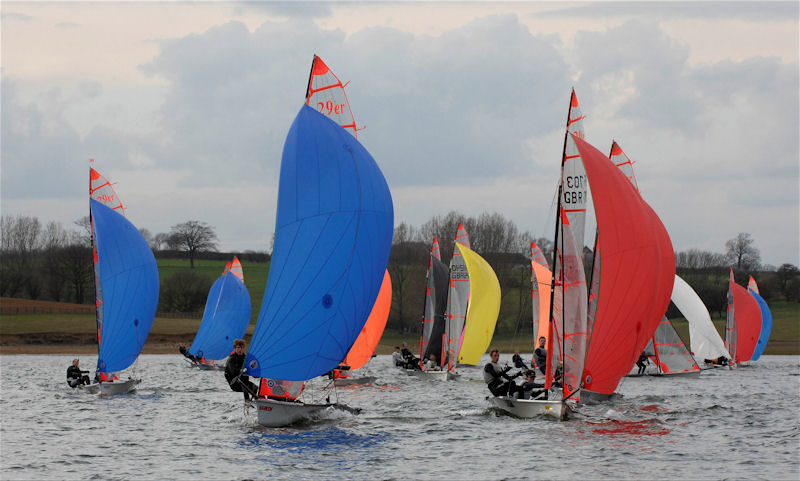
[326,94]
[236,268]
[638,270]
[371,333]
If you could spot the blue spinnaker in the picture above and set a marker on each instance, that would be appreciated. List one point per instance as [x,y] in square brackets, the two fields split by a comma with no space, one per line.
[333,234]
[129,278]
[225,319]
[766,326]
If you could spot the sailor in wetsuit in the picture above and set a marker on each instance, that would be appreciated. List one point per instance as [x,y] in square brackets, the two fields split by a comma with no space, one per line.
[518,362]
[642,362]
[411,361]
[397,357]
[185,352]
[720,361]
[540,355]
[530,389]
[233,372]
[494,376]
[76,377]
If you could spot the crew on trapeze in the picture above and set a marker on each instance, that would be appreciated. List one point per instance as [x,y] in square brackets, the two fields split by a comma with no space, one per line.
[237,380]
[540,355]
[76,377]
[719,361]
[496,377]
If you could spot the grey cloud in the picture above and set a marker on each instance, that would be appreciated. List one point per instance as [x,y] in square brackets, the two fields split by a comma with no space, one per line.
[21,17]
[293,9]
[744,11]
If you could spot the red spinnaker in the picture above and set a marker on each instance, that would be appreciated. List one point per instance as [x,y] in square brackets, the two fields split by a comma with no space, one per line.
[748,323]
[636,276]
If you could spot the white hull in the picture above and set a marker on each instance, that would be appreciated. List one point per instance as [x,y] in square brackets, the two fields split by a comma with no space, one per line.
[431,375]
[354,381]
[530,408]
[118,387]
[89,388]
[275,414]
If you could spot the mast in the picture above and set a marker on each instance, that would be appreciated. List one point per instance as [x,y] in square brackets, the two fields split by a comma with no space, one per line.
[98,305]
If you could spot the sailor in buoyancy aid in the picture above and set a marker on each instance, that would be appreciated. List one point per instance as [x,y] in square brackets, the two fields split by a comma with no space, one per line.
[498,382]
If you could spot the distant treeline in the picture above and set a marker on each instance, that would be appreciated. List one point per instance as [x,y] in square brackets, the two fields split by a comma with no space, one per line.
[51,263]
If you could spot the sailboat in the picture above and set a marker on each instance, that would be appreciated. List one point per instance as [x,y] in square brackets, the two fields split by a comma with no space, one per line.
[364,347]
[225,318]
[432,340]
[473,305]
[563,286]
[742,324]
[703,336]
[666,349]
[332,239]
[766,320]
[126,287]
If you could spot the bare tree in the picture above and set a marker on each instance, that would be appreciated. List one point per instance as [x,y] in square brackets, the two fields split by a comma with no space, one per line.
[159,241]
[741,253]
[19,239]
[192,237]
[697,259]
[404,266]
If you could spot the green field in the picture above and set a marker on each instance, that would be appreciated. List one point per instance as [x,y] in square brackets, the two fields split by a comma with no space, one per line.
[255,276]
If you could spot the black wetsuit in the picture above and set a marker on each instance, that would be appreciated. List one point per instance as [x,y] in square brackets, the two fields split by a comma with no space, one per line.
[641,363]
[412,362]
[535,389]
[236,380]
[494,375]
[518,363]
[540,355]
[185,352]
[76,377]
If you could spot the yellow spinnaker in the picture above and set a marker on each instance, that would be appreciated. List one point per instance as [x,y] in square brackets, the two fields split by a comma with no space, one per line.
[483,307]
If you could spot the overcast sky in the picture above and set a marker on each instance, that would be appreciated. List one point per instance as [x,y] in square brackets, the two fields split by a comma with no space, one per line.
[186,106]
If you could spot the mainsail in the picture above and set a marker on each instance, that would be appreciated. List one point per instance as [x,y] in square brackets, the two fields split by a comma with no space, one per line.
[127,277]
[332,239]
[766,319]
[482,309]
[433,320]
[457,299]
[636,277]
[671,354]
[574,196]
[236,268]
[371,333]
[326,94]
[703,336]
[225,318]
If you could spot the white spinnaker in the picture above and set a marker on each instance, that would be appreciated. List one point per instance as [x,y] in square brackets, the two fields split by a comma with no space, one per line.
[705,340]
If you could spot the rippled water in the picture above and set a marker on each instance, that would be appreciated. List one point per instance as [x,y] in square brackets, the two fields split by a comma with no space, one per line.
[183,423]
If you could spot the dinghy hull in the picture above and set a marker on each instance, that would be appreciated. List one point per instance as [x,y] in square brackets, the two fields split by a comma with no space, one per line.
[530,408]
[275,414]
[118,387]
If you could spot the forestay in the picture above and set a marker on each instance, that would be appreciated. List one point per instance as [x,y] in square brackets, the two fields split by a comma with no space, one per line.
[332,240]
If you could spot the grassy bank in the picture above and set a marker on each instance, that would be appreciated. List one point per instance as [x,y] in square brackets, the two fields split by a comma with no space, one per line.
[66,332]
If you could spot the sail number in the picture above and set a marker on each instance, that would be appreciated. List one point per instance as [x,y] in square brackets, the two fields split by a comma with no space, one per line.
[329,107]
[105,198]
[459,271]
[575,190]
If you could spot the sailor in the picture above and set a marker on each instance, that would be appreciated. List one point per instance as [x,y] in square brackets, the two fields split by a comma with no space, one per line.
[642,362]
[517,360]
[494,376]
[530,389]
[719,361]
[233,372]
[411,362]
[185,352]
[397,356]
[432,364]
[540,355]
[76,377]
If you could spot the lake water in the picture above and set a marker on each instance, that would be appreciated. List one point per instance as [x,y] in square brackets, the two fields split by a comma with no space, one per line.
[183,423]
